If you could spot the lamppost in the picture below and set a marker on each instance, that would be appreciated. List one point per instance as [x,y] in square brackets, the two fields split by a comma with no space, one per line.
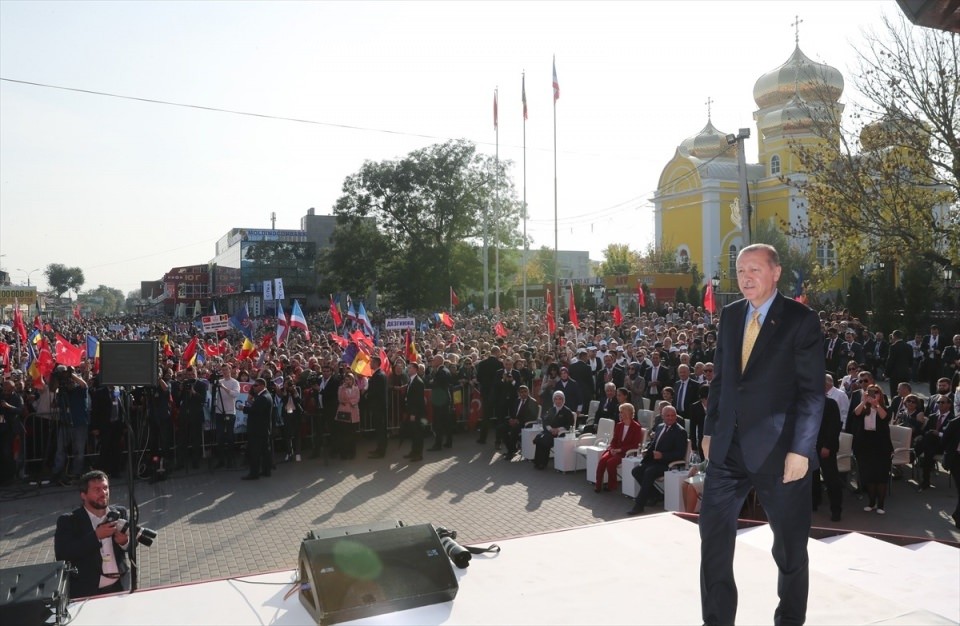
[28,273]
[715,282]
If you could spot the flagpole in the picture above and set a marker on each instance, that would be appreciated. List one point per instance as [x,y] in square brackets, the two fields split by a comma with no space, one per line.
[496,221]
[523,311]
[556,238]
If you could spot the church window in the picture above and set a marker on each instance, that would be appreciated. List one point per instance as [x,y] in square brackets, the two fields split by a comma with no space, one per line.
[684,259]
[774,165]
[826,255]
[732,261]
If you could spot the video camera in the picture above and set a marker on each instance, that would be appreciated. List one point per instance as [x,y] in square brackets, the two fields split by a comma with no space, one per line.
[145,536]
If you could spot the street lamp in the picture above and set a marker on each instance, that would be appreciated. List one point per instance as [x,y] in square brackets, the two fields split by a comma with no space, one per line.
[28,273]
[947,274]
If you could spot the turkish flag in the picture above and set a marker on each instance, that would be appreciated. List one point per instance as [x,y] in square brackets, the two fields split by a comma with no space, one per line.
[500,329]
[617,316]
[641,297]
[67,353]
[573,310]
[709,302]
[551,321]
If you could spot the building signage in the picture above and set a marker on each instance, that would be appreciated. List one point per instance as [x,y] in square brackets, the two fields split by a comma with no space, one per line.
[11,295]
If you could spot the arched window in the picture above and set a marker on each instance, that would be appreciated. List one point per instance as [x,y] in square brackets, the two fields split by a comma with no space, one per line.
[732,262]
[683,259]
[774,165]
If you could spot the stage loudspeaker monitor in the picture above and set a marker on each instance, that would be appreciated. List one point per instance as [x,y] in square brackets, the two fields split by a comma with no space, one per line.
[34,594]
[132,363]
[351,574]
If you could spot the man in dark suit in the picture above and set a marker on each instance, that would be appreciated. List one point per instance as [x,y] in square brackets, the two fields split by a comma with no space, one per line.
[764,413]
[611,373]
[259,410]
[951,362]
[831,351]
[657,377]
[377,403]
[899,360]
[667,443]
[570,389]
[94,547]
[697,414]
[875,351]
[558,420]
[581,373]
[850,350]
[523,411]
[508,387]
[416,405]
[686,391]
[932,360]
[488,373]
[828,443]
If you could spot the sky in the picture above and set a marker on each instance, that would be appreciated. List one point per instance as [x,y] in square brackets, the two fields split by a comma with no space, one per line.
[127,189]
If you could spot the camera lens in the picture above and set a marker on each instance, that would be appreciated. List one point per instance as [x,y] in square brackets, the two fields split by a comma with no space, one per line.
[457,553]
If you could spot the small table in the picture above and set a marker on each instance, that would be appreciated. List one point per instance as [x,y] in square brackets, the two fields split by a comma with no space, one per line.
[628,485]
[565,457]
[527,449]
[673,490]
[593,457]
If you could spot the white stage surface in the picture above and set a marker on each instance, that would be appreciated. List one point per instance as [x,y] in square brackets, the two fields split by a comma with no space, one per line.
[636,571]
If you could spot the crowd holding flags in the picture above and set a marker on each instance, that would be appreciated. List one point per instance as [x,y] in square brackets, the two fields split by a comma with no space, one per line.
[335,313]
[283,325]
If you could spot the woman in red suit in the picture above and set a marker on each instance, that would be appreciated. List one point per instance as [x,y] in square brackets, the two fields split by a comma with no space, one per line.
[627,435]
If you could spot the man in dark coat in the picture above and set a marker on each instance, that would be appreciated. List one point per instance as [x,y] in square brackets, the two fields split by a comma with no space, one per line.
[667,444]
[95,547]
[899,360]
[377,404]
[488,374]
[523,411]
[259,410]
[557,421]
[828,443]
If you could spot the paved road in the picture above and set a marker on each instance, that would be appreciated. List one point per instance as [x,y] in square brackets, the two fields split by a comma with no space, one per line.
[215,525]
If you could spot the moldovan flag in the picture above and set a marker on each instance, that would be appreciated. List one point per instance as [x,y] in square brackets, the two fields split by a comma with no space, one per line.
[335,312]
[361,364]
[709,303]
[93,352]
[551,320]
[617,316]
[248,349]
[410,348]
[573,310]
[500,330]
[445,319]
[641,297]
[67,353]
[167,350]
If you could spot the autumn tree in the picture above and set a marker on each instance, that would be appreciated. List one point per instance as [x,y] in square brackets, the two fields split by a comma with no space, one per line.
[658,258]
[618,260]
[886,184]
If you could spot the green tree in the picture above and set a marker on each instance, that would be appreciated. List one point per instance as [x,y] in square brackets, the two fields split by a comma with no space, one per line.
[795,262]
[542,269]
[660,258]
[103,300]
[62,278]
[889,179]
[618,260]
[354,262]
[425,205]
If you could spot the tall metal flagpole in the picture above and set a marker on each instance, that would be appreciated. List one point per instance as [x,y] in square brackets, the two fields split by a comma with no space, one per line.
[496,216]
[556,238]
[523,308]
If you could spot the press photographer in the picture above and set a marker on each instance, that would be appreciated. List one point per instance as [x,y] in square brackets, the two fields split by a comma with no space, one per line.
[93,544]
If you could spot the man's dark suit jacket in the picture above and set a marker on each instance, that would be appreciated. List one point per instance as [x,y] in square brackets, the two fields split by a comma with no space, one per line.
[829,434]
[524,413]
[617,375]
[697,414]
[776,403]
[258,415]
[672,445]
[377,393]
[899,364]
[692,397]
[415,400]
[76,541]
[580,371]
[663,377]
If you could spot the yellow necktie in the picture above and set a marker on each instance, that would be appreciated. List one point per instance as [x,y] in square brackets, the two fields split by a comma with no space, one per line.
[749,338]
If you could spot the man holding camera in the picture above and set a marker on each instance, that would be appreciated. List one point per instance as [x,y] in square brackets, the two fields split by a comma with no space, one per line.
[94,546]
[226,390]
[74,422]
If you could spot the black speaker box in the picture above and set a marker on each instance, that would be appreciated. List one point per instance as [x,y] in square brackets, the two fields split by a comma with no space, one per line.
[34,594]
[354,572]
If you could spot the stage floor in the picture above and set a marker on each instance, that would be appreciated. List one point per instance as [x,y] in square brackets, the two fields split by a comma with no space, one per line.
[637,571]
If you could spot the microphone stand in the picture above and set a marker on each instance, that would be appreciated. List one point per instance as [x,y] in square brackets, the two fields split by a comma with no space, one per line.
[134,512]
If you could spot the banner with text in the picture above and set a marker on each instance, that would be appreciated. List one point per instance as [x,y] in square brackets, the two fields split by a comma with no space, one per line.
[400,323]
[267,290]
[215,323]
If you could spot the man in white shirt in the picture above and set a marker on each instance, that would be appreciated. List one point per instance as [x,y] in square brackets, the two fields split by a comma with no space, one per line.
[95,547]
[226,391]
[842,400]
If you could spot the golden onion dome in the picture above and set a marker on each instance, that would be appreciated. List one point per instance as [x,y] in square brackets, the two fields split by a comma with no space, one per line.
[707,144]
[815,82]
[796,115]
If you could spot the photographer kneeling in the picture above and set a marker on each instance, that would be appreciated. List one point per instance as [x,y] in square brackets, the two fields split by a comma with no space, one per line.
[94,545]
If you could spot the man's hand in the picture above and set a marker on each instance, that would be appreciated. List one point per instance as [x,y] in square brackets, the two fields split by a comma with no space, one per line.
[120,538]
[705,444]
[794,467]
[824,453]
[106,529]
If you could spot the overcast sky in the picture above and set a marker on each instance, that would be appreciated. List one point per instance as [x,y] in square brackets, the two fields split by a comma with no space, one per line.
[128,189]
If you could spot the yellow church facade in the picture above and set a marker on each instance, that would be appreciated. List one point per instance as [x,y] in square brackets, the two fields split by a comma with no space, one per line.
[697,202]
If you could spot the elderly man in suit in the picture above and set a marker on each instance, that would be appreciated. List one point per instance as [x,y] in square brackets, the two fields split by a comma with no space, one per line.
[667,443]
[95,547]
[764,413]
[557,421]
[523,411]
[259,410]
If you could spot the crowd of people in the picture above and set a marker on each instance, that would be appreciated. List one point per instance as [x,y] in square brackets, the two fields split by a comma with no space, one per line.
[307,398]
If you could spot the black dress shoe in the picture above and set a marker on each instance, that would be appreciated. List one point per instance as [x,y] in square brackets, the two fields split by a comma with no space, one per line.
[835,517]
[249,477]
[637,510]
[481,440]
[434,449]
[376,455]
